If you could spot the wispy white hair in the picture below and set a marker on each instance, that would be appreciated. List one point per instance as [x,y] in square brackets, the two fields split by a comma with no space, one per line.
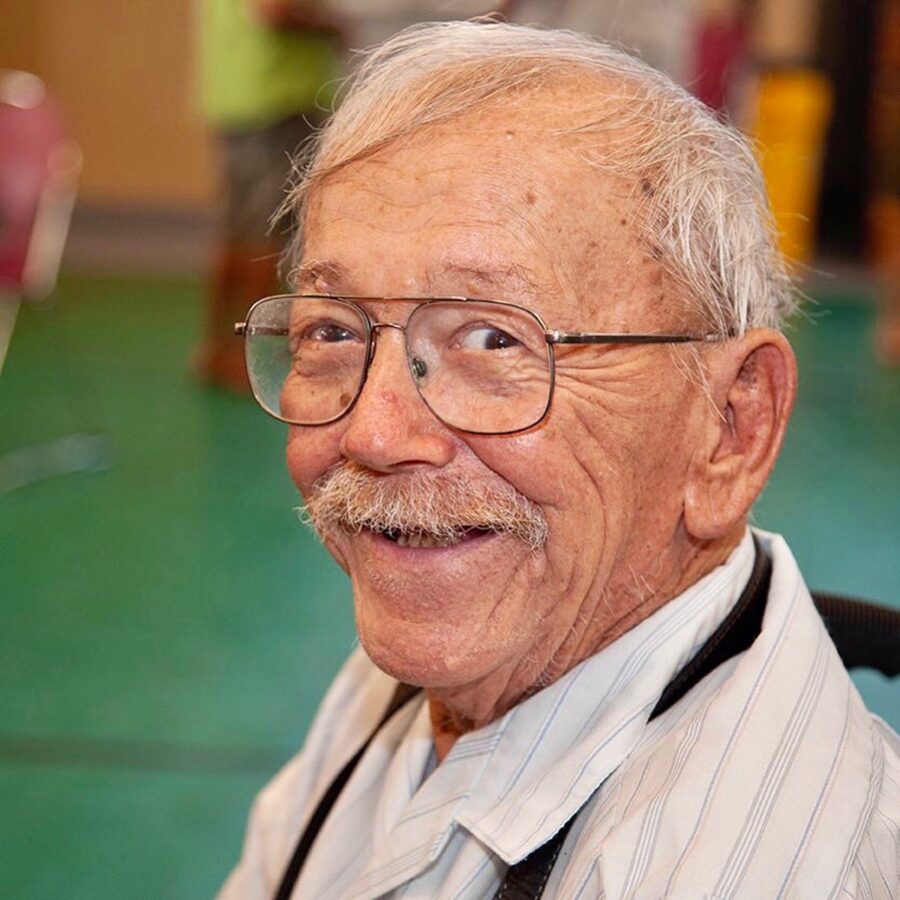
[703,206]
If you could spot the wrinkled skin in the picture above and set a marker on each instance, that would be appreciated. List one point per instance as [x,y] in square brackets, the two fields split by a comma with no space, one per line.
[643,477]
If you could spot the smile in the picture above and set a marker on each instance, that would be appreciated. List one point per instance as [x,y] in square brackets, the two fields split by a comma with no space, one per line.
[424,541]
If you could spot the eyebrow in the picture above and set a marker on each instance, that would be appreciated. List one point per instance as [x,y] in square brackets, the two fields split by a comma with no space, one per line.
[508,278]
[306,274]
[513,278]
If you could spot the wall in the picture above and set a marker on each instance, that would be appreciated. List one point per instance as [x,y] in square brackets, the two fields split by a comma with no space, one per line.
[123,72]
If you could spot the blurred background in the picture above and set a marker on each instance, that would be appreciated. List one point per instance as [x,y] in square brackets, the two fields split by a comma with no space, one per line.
[167,627]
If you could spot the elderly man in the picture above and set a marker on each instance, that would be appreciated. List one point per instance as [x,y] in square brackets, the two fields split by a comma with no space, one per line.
[535,380]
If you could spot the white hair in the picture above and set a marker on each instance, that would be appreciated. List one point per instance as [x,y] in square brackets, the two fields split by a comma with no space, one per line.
[703,206]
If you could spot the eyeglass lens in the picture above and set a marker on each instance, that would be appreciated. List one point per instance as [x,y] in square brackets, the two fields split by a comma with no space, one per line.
[479,366]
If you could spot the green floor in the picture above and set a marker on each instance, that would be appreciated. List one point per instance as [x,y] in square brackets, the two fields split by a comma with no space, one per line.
[167,626]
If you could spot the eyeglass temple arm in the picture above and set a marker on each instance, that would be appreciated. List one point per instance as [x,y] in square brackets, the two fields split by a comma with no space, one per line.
[576,337]
[553,337]
[242,329]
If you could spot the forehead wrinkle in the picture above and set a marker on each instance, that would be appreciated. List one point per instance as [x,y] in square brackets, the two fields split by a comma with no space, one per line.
[507,279]
[427,181]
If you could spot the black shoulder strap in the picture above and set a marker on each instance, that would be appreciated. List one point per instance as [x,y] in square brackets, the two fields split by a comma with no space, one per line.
[402,694]
[737,631]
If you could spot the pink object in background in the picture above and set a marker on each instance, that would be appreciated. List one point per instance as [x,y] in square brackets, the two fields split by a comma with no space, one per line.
[719,49]
[39,168]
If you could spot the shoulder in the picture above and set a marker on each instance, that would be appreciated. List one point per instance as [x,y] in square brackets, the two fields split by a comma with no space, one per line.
[873,871]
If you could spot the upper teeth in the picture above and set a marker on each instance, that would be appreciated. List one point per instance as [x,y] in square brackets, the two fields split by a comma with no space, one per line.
[420,539]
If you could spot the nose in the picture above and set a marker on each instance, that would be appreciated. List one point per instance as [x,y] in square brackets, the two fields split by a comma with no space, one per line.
[390,429]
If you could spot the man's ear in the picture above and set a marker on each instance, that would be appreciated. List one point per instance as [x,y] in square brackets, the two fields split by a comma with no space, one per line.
[753,383]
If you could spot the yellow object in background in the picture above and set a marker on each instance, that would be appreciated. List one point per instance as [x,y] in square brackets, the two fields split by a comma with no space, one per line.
[790,121]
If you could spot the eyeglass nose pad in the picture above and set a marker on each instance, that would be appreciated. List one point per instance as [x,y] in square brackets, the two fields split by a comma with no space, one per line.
[418,367]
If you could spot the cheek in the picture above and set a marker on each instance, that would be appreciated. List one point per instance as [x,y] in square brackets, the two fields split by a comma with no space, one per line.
[578,453]
[533,463]
[567,472]
[590,468]
[310,452]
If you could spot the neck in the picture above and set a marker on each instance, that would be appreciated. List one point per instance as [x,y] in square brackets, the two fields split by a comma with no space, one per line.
[460,709]
[446,726]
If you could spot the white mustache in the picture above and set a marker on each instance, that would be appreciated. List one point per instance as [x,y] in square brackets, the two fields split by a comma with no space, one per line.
[351,498]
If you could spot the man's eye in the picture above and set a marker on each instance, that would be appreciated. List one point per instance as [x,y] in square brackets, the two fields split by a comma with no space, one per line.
[488,338]
[329,333]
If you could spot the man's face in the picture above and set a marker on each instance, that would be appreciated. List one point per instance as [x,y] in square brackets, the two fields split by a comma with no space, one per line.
[505,211]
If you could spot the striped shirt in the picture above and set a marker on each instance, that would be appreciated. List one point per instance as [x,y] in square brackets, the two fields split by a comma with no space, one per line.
[768,779]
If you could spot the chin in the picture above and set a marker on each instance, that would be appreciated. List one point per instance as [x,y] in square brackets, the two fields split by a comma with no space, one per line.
[422,662]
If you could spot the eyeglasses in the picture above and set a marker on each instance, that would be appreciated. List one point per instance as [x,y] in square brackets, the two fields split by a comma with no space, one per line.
[481,366]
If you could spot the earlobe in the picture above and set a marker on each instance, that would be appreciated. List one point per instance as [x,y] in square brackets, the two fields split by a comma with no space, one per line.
[753,383]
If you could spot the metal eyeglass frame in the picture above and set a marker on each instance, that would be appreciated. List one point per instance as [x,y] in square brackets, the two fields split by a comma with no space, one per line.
[551,336]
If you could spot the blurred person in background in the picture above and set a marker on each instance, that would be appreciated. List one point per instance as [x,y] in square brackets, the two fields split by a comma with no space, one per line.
[535,379]
[268,70]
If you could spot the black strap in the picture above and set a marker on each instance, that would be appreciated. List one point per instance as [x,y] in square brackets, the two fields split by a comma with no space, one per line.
[737,631]
[402,694]
[526,879]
